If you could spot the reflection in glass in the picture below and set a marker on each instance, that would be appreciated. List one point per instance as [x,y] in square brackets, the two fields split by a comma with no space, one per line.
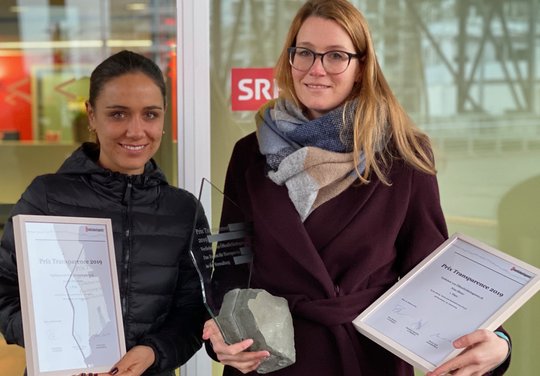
[47,52]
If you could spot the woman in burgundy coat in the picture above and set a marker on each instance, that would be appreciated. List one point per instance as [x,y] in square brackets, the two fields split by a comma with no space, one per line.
[341,188]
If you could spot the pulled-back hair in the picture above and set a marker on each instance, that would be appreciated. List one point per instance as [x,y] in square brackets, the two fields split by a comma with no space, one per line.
[381,127]
[121,63]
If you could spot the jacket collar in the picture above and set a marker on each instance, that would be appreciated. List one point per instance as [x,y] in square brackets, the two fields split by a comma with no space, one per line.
[84,159]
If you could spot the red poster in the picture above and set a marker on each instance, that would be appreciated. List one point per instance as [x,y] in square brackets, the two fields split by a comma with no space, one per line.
[251,88]
[15,98]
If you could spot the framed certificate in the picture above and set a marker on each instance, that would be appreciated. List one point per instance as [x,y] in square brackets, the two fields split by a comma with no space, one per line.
[70,301]
[462,286]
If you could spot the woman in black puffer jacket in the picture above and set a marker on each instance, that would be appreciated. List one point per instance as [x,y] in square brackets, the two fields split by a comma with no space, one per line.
[152,221]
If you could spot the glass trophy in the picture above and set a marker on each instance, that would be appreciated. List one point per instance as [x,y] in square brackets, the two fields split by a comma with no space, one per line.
[223,257]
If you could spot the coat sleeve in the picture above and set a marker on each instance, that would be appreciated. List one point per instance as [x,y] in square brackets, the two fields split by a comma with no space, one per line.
[32,201]
[180,336]
[424,226]
[424,229]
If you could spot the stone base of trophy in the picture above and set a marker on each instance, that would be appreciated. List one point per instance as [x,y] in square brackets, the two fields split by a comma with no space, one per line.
[256,314]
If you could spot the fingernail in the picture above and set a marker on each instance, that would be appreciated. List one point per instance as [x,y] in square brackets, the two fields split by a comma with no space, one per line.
[113,371]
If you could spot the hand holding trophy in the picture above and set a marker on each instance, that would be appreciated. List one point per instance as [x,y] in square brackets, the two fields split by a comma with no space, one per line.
[224,259]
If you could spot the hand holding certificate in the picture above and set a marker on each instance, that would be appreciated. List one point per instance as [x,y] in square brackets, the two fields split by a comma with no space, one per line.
[463,282]
[72,321]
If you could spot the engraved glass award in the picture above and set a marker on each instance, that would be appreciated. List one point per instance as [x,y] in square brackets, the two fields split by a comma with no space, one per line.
[223,257]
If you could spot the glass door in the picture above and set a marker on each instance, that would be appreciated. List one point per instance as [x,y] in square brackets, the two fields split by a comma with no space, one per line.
[466,72]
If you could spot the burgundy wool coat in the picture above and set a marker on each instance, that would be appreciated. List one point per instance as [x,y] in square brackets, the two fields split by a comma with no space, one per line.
[345,255]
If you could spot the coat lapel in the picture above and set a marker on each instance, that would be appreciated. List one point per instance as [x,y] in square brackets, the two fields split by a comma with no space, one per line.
[334,217]
[273,209]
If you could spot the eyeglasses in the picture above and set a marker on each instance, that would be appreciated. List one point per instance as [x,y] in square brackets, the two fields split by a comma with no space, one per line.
[333,62]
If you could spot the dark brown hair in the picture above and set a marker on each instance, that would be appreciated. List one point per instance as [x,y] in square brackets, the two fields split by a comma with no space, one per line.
[122,63]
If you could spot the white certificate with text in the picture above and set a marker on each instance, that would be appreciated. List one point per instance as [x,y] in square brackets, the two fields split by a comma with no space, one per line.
[70,302]
[462,286]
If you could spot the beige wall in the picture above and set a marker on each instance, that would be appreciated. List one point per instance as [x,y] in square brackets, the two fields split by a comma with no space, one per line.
[20,162]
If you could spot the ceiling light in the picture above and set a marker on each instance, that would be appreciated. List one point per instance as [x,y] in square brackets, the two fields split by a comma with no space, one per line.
[74,44]
[136,6]
[18,9]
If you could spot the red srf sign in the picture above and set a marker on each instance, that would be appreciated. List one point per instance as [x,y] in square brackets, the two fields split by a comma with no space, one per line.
[251,88]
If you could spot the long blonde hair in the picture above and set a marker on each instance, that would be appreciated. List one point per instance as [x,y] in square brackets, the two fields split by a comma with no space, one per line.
[381,126]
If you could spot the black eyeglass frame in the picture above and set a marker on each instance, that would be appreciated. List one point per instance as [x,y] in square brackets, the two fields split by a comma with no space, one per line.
[292,51]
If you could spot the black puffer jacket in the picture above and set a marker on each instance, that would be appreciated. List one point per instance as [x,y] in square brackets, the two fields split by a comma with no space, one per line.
[152,222]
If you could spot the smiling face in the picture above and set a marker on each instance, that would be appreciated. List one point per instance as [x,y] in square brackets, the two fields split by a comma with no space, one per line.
[127,116]
[319,91]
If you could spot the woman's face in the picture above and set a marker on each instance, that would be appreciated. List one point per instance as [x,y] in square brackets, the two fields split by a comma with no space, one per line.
[319,91]
[127,117]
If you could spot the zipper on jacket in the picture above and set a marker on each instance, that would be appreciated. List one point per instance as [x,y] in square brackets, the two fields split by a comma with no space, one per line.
[126,251]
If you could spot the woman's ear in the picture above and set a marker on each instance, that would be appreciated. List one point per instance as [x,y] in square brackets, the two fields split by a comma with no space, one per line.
[89,111]
[360,72]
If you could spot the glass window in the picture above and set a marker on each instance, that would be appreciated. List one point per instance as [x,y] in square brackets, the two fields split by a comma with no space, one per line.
[47,52]
[466,72]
